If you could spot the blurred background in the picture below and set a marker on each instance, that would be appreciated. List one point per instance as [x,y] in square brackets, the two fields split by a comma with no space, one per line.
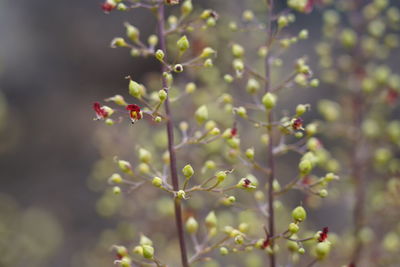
[55,61]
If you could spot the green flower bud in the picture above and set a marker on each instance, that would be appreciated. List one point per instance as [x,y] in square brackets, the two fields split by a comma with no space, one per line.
[181,194]
[391,242]
[201,114]
[301,79]
[234,143]
[223,251]
[192,225]
[311,129]
[241,111]
[248,15]
[376,28]
[293,228]
[292,246]
[118,42]
[269,100]
[323,193]
[126,262]
[329,177]
[233,26]
[314,83]
[144,155]
[238,65]
[211,22]
[183,43]
[221,175]
[188,171]
[116,190]
[237,50]
[299,214]
[348,38]
[207,52]
[148,251]
[301,109]
[329,110]
[160,54]
[253,86]
[109,121]
[322,249]
[132,32]
[303,34]
[208,63]
[282,22]
[178,68]
[259,195]
[215,131]
[162,95]
[138,250]
[117,99]
[228,200]
[210,165]
[157,182]
[246,183]
[152,40]
[144,168]
[250,153]
[263,51]
[211,220]
[244,227]
[122,7]
[239,239]
[301,251]
[228,78]
[187,7]
[115,179]
[125,166]
[190,87]
[135,89]
[305,167]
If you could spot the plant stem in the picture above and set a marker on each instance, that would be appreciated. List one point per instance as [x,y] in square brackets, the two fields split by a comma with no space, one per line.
[171,149]
[270,152]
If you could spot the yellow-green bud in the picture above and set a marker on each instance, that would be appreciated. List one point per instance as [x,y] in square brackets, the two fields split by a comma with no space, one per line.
[162,95]
[322,249]
[301,251]
[221,175]
[122,7]
[246,183]
[293,228]
[241,111]
[208,63]
[301,79]
[303,34]
[201,114]
[239,239]
[253,86]
[115,179]
[144,155]
[323,193]
[138,250]
[190,88]
[135,89]
[152,40]
[117,99]
[250,153]
[282,22]
[186,7]
[192,225]
[248,15]
[228,78]
[311,129]
[237,50]
[234,142]
[157,182]
[210,165]
[348,38]
[144,168]
[126,262]
[223,251]
[215,131]
[188,171]
[314,83]
[299,214]
[124,166]
[118,42]
[269,100]
[244,227]
[211,22]
[301,109]
[305,167]
[144,240]
[160,54]
[183,43]
[211,220]
[148,251]
[329,177]
[238,64]
[116,190]
[132,32]
[181,194]
[207,52]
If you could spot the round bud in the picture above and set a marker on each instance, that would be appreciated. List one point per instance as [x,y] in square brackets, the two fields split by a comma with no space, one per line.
[144,155]
[148,251]
[183,43]
[188,171]
[301,109]
[322,249]
[305,167]
[116,190]
[301,251]
[250,153]
[124,166]
[211,220]
[228,78]
[192,225]
[132,32]
[180,194]
[157,182]
[207,52]
[144,240]
[293,228]
[160,54]
[303,34]
[323,193]
[253,86]
[269,101]
[190,88]
[162,95]
[186,7]
[208,63]
[201,114]
[115,178]
[223,251]
[299,214]
[237,50]
[221,175]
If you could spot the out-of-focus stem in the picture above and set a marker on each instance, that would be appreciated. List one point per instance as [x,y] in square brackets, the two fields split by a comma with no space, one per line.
[270,152]
[171,149]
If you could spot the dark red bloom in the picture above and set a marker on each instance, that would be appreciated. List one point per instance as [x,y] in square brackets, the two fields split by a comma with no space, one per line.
[323,235]
[352,265]
[265,244]
[297,124]
[247,182]
[391,96]
[101,113]
[107,7]
[310,5]
[134,112]
[234,131]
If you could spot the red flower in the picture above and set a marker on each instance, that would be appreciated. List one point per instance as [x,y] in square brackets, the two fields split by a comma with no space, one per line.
[297,124]
[323,235]
[310,5]
[234,131]
[247,182]
[391,96]
[101,113]
[107,7]
[134,112]
[265,244]
[352,265]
